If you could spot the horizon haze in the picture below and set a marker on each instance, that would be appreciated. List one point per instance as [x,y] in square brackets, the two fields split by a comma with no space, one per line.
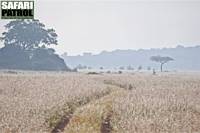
[95,26]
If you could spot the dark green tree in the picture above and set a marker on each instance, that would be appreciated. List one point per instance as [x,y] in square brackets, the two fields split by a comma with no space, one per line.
[26,47]
[28,34]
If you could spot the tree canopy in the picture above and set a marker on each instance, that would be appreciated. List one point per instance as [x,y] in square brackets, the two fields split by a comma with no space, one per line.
[28,34]
[161,60]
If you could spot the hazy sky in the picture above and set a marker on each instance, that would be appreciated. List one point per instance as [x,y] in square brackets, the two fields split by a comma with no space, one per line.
[96,25]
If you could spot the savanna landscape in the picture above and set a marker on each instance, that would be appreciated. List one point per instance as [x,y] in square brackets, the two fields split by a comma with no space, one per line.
[67,102]
[113,66]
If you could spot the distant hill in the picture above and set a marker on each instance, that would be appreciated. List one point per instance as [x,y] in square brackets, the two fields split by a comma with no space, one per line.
[185,58]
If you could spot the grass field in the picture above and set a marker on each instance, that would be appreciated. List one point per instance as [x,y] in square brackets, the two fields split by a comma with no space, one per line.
[99,103]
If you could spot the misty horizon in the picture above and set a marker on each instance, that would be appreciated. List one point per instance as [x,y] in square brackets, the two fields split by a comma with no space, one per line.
[96,26]
[153,48]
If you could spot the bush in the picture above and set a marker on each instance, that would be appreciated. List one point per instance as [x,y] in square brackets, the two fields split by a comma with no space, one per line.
[92,73]
[119,72]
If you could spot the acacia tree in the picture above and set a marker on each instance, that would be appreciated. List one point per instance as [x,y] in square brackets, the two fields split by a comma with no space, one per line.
[28,34]
[161,60]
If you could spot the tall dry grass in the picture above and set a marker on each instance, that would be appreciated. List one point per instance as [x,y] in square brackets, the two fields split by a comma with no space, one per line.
[30,102]
[163,103]
[167,103]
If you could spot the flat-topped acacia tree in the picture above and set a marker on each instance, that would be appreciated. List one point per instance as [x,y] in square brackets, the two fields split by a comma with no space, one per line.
[161,60]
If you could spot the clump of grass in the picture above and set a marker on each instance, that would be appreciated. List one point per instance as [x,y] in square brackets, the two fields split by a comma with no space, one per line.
[126,86]
[54,119]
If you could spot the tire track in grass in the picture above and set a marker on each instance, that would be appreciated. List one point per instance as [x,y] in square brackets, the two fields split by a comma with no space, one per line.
[64,120]
[62,124]
[104,98]
[95,117]
[106,124]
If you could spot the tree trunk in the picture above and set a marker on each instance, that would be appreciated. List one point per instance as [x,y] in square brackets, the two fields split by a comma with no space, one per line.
[161,67]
